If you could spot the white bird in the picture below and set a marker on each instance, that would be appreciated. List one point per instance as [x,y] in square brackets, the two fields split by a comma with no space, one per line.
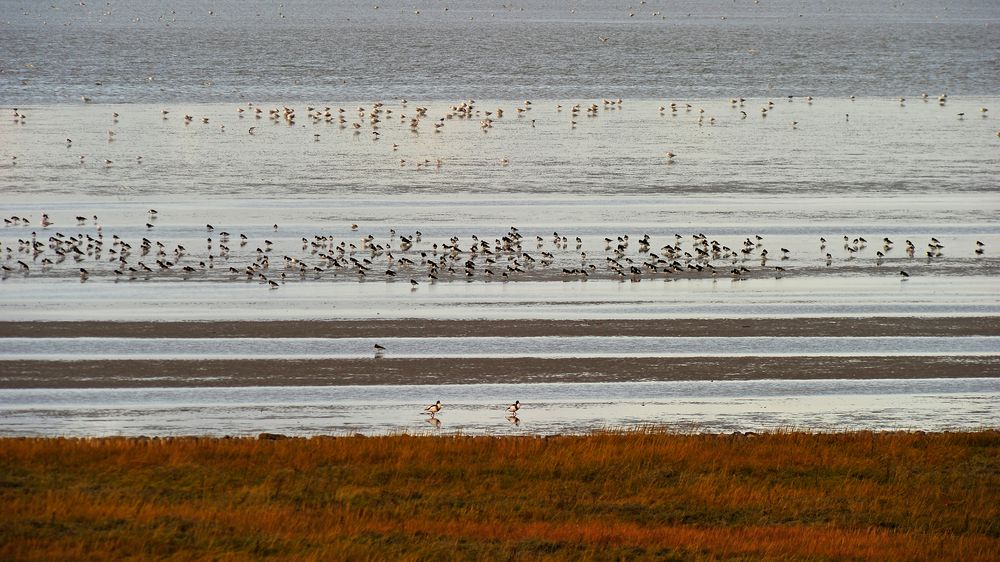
[513,408]
[433,408]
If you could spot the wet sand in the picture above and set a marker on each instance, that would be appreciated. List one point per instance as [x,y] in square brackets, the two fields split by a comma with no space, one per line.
[388,371]
[761,327]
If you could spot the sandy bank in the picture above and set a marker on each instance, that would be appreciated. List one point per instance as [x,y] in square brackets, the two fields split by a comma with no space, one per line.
[862,327]
[389,371]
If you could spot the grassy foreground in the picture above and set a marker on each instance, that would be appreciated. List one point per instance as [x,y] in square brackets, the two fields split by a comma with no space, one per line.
[635,495]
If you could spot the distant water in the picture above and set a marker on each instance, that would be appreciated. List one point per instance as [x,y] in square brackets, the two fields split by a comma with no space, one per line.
[299,50]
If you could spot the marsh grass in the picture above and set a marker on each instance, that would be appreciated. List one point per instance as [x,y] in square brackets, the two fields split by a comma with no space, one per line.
[645,494]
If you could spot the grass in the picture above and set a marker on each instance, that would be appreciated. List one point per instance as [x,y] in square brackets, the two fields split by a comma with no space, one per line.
[630,495]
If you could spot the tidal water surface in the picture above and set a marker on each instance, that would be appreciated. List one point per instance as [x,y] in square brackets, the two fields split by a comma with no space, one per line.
[69,349]
[719,406]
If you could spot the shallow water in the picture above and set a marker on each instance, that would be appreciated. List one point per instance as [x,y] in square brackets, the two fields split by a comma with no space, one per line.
[873,148]
[886,295]
[68,349]
[722,406]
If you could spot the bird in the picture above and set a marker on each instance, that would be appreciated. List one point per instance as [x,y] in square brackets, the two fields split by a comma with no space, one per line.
[904,274]
[379,350]
[433,408]
[513,408]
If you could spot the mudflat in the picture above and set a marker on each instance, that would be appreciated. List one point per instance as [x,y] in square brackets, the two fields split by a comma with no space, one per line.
[388,371]
[834,327]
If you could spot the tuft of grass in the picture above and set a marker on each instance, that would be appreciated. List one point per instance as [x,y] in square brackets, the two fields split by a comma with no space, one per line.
[643,494]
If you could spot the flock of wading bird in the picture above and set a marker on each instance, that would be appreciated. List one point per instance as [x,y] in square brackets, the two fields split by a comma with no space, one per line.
[372,118]
[510,256]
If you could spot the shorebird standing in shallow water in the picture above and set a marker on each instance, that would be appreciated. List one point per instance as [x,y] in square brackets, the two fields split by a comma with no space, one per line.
[511,413]
[433,408]
[379,350]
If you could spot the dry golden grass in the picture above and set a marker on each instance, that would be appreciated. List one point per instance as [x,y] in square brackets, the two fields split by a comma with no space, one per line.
[634,495]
